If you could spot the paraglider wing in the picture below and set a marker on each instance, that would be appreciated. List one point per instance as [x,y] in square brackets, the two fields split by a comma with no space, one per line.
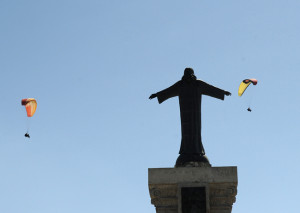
[245,83]
[30,105]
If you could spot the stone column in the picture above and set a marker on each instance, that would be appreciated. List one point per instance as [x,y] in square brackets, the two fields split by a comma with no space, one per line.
[193,189]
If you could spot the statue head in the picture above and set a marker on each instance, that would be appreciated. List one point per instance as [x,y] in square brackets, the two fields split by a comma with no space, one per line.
[189,74]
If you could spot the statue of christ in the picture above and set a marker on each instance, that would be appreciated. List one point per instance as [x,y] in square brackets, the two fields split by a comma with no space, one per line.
[190,90]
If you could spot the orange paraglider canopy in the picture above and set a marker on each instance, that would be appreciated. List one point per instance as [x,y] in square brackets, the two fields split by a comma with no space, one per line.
[30,105]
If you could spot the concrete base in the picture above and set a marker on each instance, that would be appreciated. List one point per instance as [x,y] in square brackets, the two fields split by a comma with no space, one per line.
[218,185]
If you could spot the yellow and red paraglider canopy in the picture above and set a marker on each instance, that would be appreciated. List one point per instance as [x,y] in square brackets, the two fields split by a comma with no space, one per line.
[245,83]
[30,105]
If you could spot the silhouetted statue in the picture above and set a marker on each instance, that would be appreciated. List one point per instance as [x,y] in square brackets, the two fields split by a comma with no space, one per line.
[190,90]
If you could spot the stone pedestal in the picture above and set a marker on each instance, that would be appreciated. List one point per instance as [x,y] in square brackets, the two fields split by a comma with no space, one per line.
[193,189]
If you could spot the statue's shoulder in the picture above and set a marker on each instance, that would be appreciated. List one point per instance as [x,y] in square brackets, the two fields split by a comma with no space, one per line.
[200,82]
[178,83]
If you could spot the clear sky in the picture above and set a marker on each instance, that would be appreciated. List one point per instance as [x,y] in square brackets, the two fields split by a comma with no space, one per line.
[91,65]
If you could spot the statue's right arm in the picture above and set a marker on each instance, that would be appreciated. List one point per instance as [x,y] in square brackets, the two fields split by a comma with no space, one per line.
[170,92]
[153,96]
[166,93]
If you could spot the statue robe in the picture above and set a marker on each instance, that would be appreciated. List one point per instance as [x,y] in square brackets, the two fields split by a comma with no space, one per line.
[190,111]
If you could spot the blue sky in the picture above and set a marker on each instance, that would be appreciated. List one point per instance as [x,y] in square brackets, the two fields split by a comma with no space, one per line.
[91,65]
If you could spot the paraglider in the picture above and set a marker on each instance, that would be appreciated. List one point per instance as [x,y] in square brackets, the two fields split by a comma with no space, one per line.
[30,106]
[244,85]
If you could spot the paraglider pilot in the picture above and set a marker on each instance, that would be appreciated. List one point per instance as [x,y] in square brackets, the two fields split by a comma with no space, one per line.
[27,135]
[190,90]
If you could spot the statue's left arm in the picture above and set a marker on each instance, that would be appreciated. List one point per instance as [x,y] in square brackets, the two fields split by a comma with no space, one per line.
[207,89]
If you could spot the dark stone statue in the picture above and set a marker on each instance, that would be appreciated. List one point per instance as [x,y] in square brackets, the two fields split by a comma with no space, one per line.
[189,90]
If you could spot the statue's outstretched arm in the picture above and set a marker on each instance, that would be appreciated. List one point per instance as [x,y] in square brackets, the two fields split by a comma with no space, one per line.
[227,93]
[170,92]
[212,91]
[153,96]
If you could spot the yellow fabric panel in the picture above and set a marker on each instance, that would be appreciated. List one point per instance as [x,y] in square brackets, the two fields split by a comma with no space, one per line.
[243,87]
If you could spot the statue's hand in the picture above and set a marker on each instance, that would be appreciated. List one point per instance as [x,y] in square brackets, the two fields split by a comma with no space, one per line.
[227,93]
[152,96]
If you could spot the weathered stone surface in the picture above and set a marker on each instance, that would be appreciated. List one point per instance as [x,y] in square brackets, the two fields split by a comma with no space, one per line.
[166,210]
[220,184]
[222,196]
[192,175]
[164,195]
